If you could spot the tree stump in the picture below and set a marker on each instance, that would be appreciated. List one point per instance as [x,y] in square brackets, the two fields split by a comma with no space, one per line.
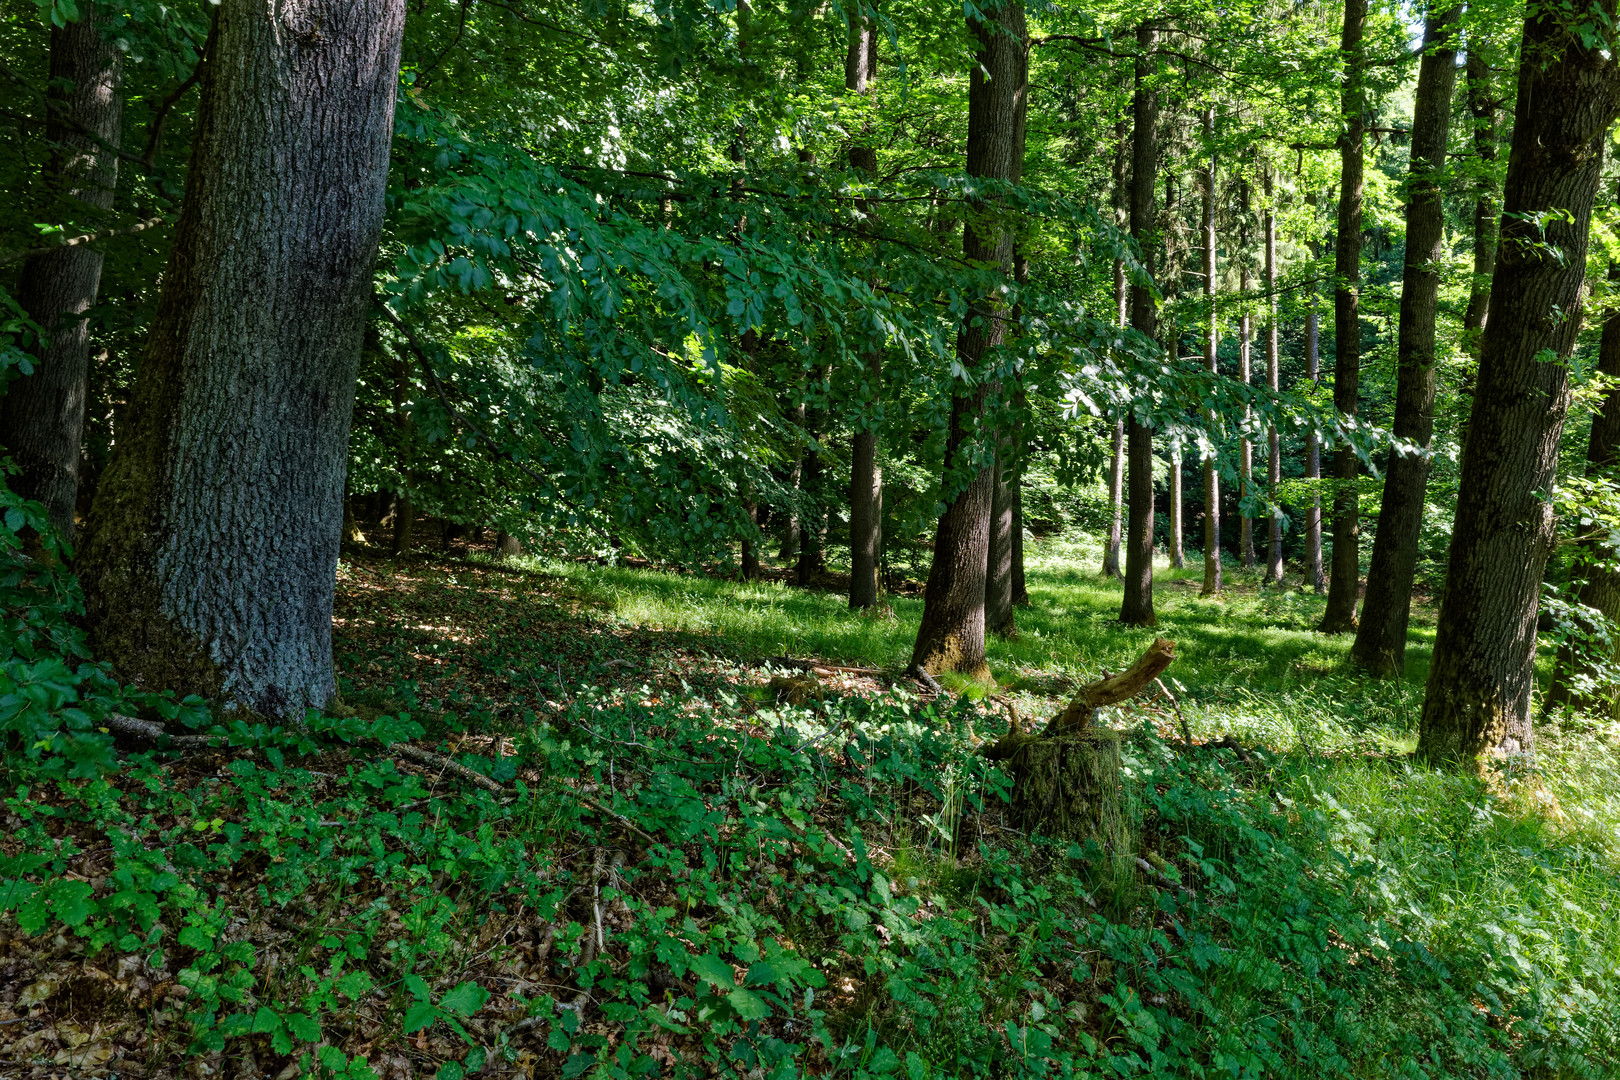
[1069,787]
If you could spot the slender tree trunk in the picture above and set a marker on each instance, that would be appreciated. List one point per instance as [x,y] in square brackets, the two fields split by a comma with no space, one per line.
[866,474]
[1212,342]
[1136,605]
[1579,681]
[1116,501]
[1485,106]
[404,507]
[42,415]
[1313,444]
[1478,697]
[1178,531]
[210,561]
[1245,365]
[790,523]
[1380,645]
[998,592]
[1344,583]
[748,565]
[813,515]
[1020,585]
[1274,539]
[951,636]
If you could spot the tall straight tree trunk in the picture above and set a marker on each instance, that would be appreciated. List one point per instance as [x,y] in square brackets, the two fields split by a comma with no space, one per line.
[1274,538]
[1116,501]
[210,562]
[1578,682]
[1020,584]
[951,636]
[42,415]
[1485,106]
[790,525]
[813,515]
[1212,343]
[1313,444]
[1478,696]
[1344,582]
[1171,339]
[1136,605]
[1122,308]
[1178,530]
[998,580]
[404,508]
[1245,367]
[866,474]
[1380,645]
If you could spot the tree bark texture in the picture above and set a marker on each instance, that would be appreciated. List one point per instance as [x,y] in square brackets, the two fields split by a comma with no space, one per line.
[1380,645]
[1344,581]
[1485,107]
[951,635]
[1478,695]
[1136,605]
[1212,345]
[866,473]
[1274,537]
[210,559]
[1313,447]
[1577,683]
[1116,501]
[42,414]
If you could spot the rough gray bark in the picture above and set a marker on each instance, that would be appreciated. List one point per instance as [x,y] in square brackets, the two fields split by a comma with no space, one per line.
[1478,696]
[951,635]
[1274,537]
[1380,645]
[866,474]
[42,414]
[1577,682]
[1136,605]
[1344,580]
[1212,341]
[210,559]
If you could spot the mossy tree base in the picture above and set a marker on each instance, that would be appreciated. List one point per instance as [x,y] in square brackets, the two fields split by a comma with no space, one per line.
[1069,788]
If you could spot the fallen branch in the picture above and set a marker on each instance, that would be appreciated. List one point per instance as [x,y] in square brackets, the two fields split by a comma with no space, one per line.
[819,667]
[154,732]
[1113,689]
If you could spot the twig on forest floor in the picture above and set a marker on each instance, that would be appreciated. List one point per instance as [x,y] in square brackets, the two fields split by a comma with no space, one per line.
[1186,731]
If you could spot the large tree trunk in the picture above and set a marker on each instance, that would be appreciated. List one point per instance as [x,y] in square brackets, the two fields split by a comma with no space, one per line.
[951,636]
[1485,106]
[1136,605]
[1380,645]
[866,474]
[210,561]
[42,415]
[1578,682]
[1212,345]
[1478,696]
[1344,581]
[1274,538]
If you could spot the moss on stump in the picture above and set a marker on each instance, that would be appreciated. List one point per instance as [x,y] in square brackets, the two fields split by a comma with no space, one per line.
[1069,788]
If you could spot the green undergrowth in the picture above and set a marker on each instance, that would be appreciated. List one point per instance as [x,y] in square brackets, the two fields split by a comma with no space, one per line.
[659,878]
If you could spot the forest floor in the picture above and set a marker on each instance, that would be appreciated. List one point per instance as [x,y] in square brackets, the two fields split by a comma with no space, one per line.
[661,869]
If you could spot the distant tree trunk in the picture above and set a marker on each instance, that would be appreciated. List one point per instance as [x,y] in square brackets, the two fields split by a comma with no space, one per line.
[866,474]
[748,565]
[998,595]
[1274,539]
[1380,645]
[1178,530]
[1344,583]
[1136,605]
[790,521]
[404,507]
[1245,365]
[1212,342]
[42,414]
[1122,307]
[1485,106]
[1578,683]
[507,545]
[210,562]
[1478,696]
[1116,500]
[1020,585]
[813,516]
[1313,445]
[951,636]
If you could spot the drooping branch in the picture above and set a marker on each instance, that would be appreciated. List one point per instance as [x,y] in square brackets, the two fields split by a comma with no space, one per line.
[1113,689]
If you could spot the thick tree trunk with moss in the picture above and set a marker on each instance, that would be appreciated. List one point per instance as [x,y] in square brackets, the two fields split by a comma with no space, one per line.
[1344,579]
[210,560]
[42,414]
[1136,605]
[951,636]
[1478,695]
[1380,645]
